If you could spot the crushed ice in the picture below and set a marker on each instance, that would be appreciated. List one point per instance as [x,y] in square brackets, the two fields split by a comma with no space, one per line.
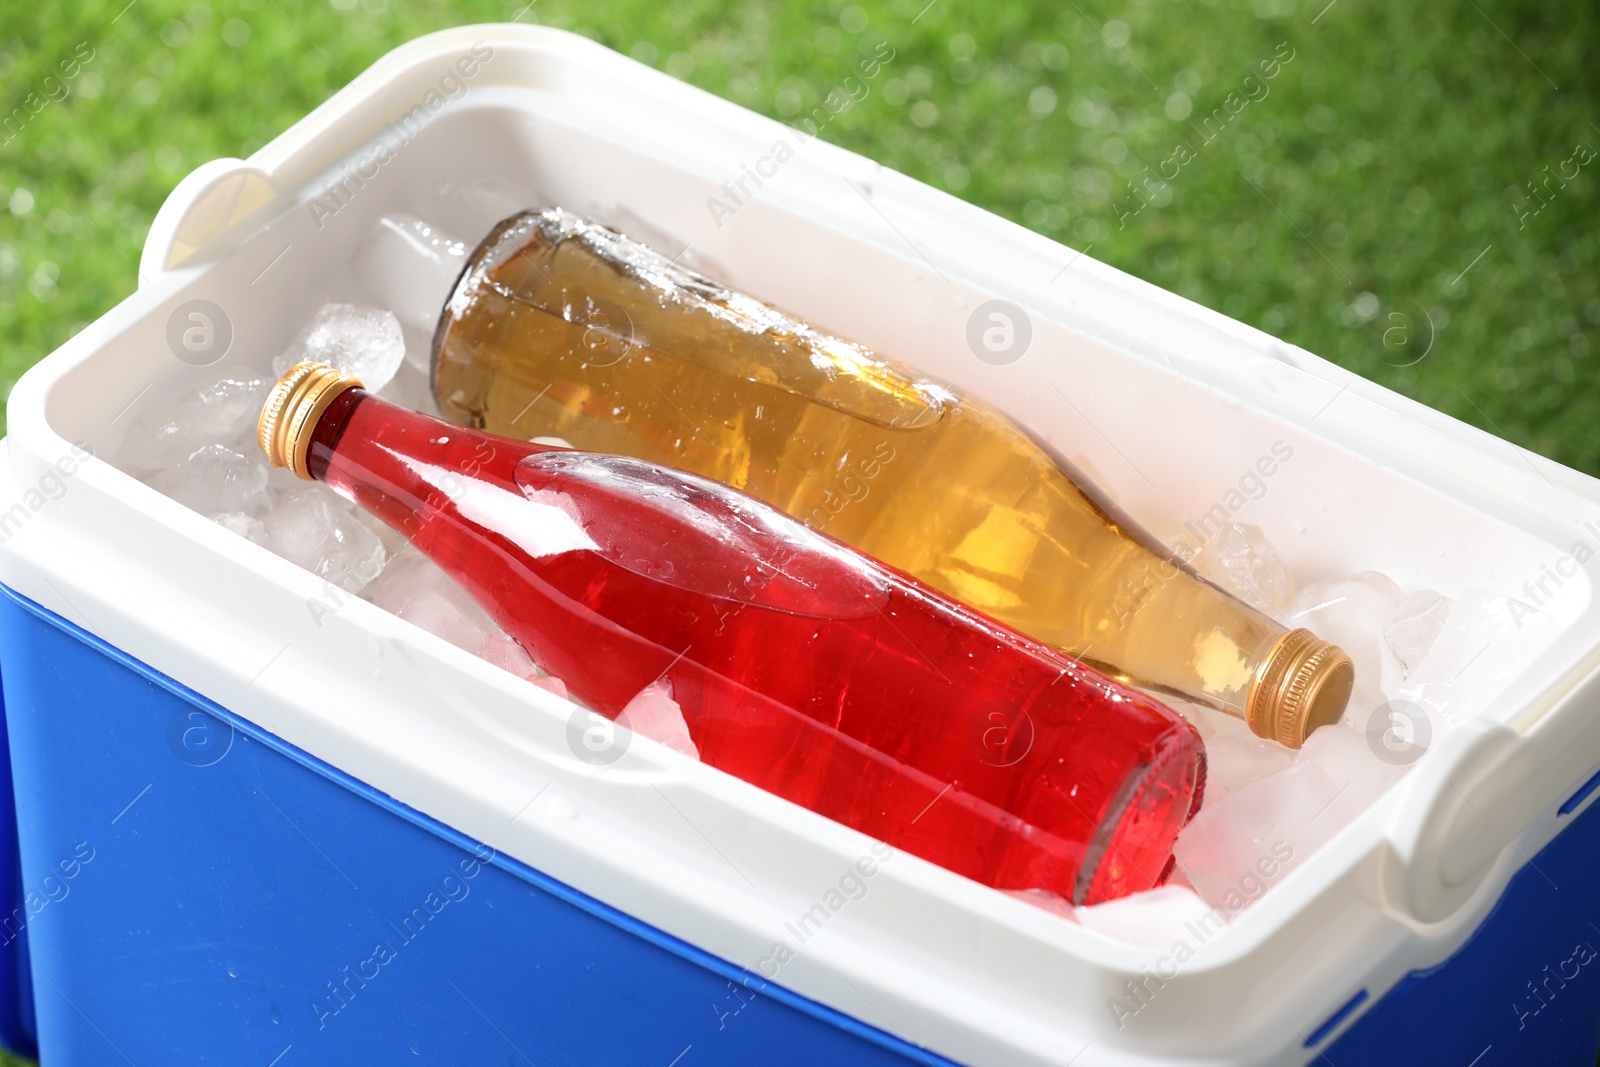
[363,341]
[199,448]
[1269,809]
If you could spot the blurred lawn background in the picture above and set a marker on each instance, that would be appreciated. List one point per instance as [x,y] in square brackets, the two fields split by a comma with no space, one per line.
[1385,179]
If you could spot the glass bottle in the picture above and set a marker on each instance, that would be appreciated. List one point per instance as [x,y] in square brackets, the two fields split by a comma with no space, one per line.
[559,326]
[801,665]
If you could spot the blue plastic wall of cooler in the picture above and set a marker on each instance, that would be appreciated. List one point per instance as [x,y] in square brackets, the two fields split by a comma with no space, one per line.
[193,889]
[16,988]
[234,900]
[1524,989]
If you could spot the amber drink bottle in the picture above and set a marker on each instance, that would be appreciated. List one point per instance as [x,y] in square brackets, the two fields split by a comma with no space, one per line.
[559,326]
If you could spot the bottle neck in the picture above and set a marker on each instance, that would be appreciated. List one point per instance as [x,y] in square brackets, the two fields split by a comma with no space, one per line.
[413,471]
[330,428]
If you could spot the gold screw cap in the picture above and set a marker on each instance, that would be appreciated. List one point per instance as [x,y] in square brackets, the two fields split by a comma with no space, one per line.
[1303,683]
[293,408]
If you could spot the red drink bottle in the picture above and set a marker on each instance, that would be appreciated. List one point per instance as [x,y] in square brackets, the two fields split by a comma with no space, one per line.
[801,665]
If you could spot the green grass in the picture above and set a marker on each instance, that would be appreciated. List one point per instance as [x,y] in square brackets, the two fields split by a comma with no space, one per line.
[1339,210]
[1370,188]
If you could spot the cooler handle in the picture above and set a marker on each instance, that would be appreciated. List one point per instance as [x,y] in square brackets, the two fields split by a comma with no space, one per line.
[1463,813]
[213,197]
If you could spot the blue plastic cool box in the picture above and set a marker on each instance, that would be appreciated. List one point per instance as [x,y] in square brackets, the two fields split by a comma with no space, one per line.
[252,827]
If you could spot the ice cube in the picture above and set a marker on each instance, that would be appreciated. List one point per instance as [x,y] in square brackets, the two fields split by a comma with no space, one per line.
[1236,849]
[550,684]
[502,650]
[657,716]
[1410,633]
[394,542]
[441,616]
[1401,731]
[410,389]
[310,527]
[1346,756]
[1485,641]
[1234,762]
[1240,560]
[1349,612]
[1054,903]
[222,411]
[246,526]
[410,266]
[416,589]
[366,342]
[216,479]
[1153,920]
[410,572]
